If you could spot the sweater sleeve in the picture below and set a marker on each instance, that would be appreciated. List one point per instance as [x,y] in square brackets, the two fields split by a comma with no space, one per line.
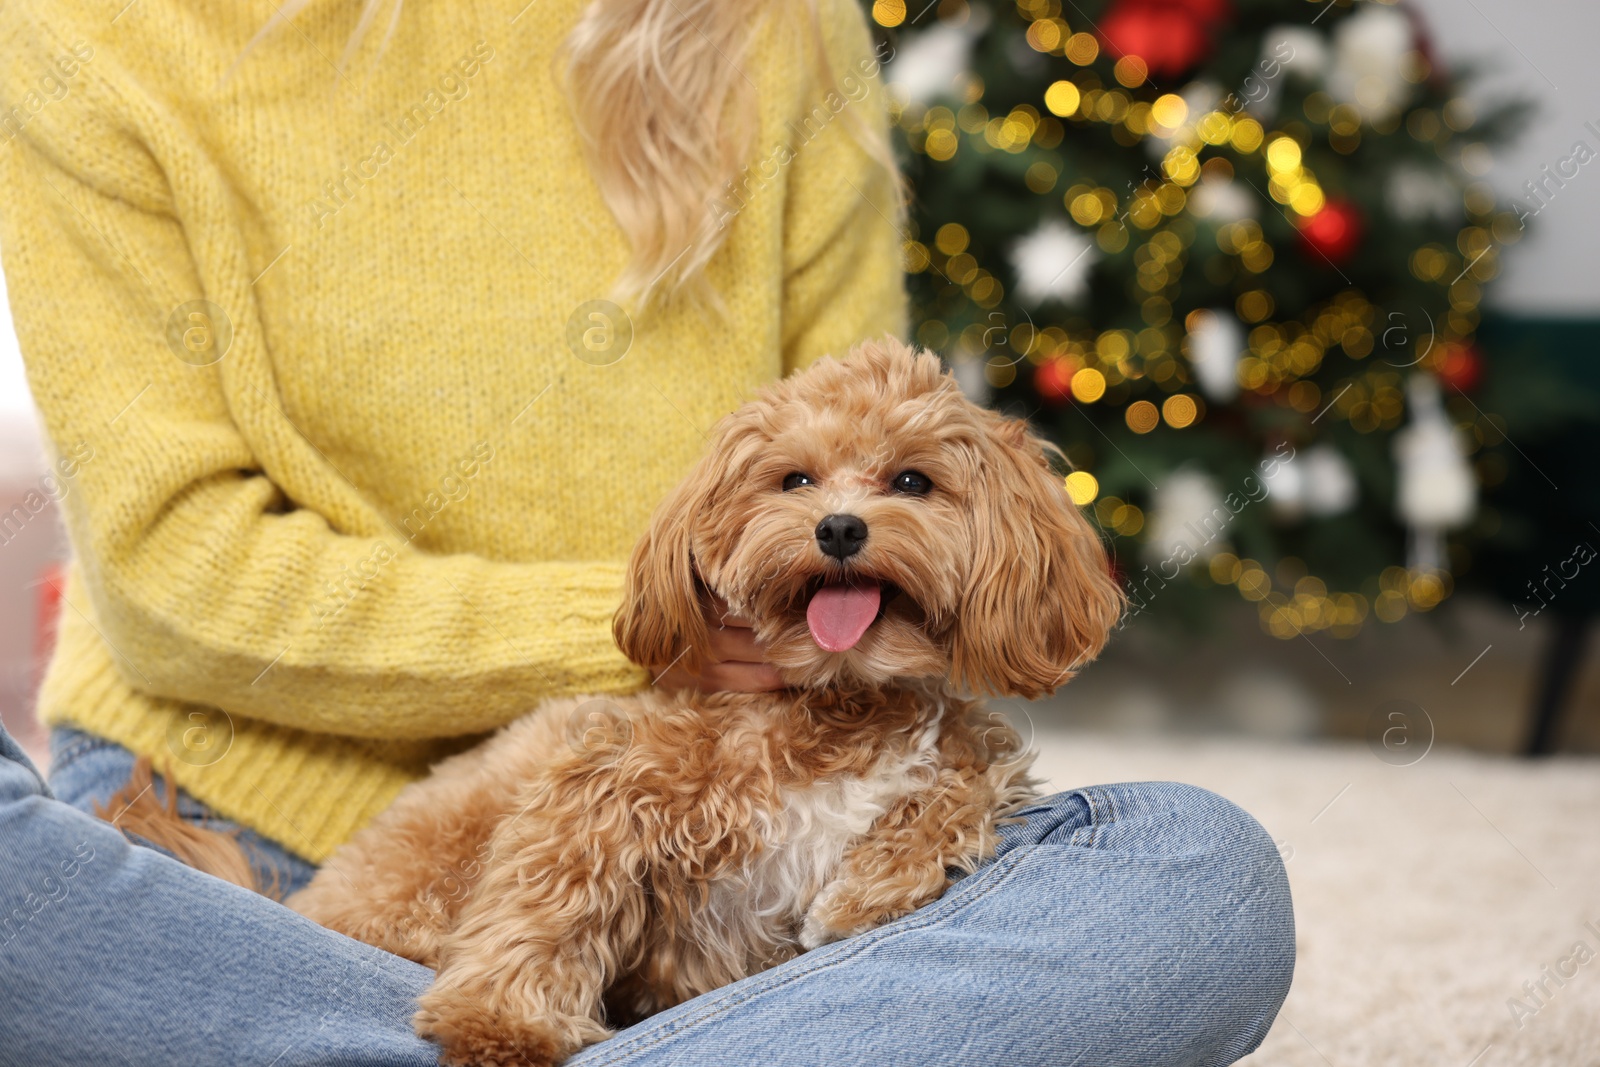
[269,588]
[844,277]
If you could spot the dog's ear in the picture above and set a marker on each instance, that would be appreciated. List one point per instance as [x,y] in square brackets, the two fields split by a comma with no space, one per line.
[661,621]
[1040,600]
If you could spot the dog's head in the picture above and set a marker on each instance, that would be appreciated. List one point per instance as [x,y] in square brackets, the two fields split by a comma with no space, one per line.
[876,527]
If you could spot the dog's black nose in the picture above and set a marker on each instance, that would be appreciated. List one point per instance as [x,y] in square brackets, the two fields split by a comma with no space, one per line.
[841,536]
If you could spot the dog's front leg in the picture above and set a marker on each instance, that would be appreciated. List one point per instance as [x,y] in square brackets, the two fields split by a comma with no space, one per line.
[522,975]
[899,865]
[896,869]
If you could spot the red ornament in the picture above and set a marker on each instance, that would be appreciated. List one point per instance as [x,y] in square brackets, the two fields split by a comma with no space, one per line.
[1170,36]
[1460,366]
[1052,380]
[1333,233]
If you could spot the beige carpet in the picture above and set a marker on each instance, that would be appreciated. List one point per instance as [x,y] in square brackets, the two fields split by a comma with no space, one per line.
[1425,896]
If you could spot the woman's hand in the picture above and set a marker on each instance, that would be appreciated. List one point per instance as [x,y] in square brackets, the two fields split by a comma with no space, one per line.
[735,662]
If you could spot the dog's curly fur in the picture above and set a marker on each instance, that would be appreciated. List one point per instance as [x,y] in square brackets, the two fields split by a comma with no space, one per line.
[604,858]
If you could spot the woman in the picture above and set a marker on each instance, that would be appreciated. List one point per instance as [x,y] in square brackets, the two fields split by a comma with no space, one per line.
[369,434]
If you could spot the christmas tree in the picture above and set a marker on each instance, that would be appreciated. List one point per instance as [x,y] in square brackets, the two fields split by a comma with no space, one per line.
[1230,256]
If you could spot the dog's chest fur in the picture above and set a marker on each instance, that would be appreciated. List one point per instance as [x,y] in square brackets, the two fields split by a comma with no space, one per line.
[799,843]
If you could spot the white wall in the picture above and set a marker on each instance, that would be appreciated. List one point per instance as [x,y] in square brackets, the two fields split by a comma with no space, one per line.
[15,404]
[24,552]
[1545,50]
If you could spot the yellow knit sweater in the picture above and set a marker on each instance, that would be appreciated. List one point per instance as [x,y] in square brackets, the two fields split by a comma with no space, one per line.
[392,515]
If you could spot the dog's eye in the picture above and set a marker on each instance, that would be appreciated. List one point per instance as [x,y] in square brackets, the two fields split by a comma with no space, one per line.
[796,481]
[912,483]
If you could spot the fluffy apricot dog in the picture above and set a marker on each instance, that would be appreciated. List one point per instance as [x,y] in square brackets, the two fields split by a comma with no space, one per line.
[897,549]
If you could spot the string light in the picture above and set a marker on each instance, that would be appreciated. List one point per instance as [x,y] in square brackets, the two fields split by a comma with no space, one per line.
[1143,374]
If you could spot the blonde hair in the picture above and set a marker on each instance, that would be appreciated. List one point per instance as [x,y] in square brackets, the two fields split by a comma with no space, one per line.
[667,116]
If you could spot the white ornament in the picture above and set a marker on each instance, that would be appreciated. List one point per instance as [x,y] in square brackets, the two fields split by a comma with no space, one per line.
[1436,484]
[1437,490]
[1222,200]
[1317,482]
[1286,488]
[1052,263]
[1188,518]
[1418,193]
[1283,49]
[1215,345]
[934,62]
[1369,51]
[1299,49]
[1330,483]
[1200,97]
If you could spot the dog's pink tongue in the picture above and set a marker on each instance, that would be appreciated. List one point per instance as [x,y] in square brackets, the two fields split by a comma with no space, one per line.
[839,614]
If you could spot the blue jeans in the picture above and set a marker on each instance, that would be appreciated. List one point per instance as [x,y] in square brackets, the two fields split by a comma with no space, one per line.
[1140,924]
[86,770]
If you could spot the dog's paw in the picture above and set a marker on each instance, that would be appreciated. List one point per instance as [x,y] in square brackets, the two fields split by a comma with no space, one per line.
[830,919]
[473,1036]
[816,929]
[844,909]
[813,934]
